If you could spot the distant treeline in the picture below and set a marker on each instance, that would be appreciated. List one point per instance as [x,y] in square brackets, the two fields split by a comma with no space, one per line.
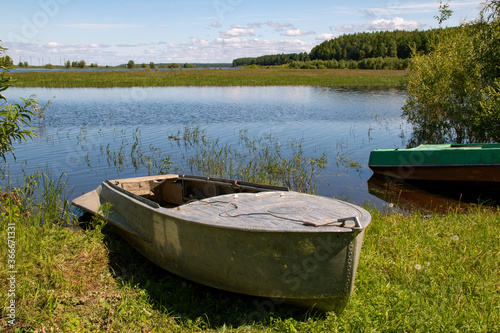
[131,64]
[272,60]
[207,65]
[361,50]
[368,63]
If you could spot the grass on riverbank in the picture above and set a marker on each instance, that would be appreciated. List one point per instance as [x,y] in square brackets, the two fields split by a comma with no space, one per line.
[236,77]
[416,273]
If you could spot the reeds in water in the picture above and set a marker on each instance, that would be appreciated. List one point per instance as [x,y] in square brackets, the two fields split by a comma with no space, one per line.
[263,159]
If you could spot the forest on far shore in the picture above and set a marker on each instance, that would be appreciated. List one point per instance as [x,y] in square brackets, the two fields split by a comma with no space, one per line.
[375,50]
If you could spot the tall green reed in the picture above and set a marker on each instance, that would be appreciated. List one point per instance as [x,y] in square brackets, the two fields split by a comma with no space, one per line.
[261,159]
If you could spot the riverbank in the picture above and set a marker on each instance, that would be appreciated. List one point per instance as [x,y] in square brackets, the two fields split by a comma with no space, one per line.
[213,77]
[416,273]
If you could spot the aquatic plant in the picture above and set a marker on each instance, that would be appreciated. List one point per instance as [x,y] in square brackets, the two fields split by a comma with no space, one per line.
[256,159]
[261,159]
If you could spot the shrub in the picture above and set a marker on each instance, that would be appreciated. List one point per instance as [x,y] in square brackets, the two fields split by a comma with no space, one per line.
[453,94]
[13,118]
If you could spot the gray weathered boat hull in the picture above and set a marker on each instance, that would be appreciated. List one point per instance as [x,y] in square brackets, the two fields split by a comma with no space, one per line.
[310,268]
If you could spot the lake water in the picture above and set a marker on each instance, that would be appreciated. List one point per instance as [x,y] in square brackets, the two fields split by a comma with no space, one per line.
[85,129]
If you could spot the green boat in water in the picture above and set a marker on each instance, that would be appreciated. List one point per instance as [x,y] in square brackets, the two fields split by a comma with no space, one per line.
[443,162]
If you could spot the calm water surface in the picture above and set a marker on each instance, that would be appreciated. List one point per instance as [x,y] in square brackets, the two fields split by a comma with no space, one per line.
[81,124]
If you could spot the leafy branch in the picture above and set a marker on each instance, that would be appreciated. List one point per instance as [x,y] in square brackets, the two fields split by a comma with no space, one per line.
[13,118]
[444,12]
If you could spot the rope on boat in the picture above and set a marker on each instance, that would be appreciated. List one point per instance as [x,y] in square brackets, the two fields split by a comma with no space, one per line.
[335,222]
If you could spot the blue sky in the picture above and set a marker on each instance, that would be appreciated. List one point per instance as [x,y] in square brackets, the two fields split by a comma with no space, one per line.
[113,32]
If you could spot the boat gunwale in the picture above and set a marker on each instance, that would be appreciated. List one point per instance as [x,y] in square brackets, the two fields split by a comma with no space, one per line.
[446,147]
[170,212]
[441,156]
[433,165]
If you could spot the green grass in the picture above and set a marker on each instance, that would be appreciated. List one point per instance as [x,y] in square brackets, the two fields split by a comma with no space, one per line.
[416,274]
[243,77]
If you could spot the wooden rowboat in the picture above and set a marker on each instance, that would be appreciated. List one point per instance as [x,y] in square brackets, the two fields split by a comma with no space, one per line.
[241,237]
[447,162]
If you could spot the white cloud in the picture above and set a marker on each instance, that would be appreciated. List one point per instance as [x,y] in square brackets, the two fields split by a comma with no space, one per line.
[368,13]
[395,23]
[37,54]
[278,26]
[291,31]
[275,25]
[53,44]
[296,32]
[228,49]
[325,36]
[231,40]
[202,42]
[345,28]
[134,45]
[255,25]
[235,42]
[216,25]
[237,31]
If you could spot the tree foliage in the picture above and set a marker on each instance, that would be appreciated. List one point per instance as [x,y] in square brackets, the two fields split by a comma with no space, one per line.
[12,117]
[76,64]
[272,60]
[453,93]
[359,46]
[444,12]
[6,61]
[12,120]
[368,63]
[355,50]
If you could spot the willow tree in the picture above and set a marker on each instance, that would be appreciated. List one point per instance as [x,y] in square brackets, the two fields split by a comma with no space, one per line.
[453,94]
